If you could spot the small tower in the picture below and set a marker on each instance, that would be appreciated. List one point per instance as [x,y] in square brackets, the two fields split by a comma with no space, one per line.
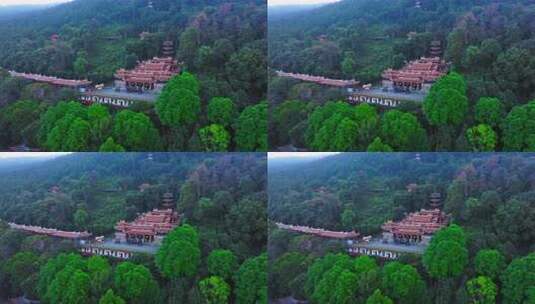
[168,201]
[435,200]
[168,49]
[435,49]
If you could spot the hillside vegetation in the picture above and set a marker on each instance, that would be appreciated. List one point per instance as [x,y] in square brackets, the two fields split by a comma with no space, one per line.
[221,45]
[489,46]
[222,201]
[486,252]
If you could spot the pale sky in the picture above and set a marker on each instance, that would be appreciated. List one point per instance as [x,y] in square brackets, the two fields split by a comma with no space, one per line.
[4,155]
[299,154]
[297,2]
[25,2]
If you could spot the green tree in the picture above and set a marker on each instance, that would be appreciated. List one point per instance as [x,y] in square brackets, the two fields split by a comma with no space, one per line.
[378,298]
[489,263]
[402,283]
[189,44]
[482,290]
[110,146]
[482,138]
[489,111]
[81,64]
[378,146]
[100,122]
[135,284]
[110,298]
[135,131]
[251,281]
[345,289]
[99,272]
[221,111]
[222,263]
[179,103]
[519,128]
[251,128]
[19,270]
[285,117]
[518,280]
[403,132]
[81,219]
[214,290]
[348,64]
[345,136]
[446,256]
[77,136]
[179,256]
[447,104]
[214,138]
[456,46]
[78,288]
[20,121]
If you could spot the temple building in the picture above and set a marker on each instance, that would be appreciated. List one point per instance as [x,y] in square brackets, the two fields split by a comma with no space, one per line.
[417,75]
[168,49]
[339,83]
[72,235]
[341,235]
[417,227]
[149,75]
[435,200]
[168,201]
[80,85]
[149,227]
[435,49]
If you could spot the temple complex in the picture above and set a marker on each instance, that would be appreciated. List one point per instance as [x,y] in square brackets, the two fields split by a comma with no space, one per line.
[417,227]
[417,75]
[80,85]
[341,235]
[148,75]
[149,227]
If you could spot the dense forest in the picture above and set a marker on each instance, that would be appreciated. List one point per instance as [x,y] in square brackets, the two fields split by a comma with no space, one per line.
[482,105]
[216,255]
[220,44]
[485,255]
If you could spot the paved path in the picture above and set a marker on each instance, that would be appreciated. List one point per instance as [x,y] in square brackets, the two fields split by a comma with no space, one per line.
[110,244]
[377,244]
[110,92]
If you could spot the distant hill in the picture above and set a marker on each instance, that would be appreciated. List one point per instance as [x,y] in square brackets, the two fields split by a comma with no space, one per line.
[11,11]
[276,12]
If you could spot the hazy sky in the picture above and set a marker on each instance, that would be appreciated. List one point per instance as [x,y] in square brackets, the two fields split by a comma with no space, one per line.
[294,2]
[4,155]
[299,154]
[23,2]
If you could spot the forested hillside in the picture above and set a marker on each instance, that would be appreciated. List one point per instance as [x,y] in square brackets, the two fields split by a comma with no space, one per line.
[489,198]
[221,45]
[222,199]
[489,46]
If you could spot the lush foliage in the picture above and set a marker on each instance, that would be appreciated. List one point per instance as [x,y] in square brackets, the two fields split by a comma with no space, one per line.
[489,83]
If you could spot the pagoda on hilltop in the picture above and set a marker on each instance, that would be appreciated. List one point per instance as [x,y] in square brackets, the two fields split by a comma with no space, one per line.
[168,200]
[168,49]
